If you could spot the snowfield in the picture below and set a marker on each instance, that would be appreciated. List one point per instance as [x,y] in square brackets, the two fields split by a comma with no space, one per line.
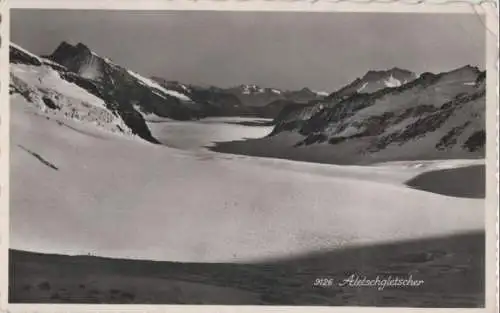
[194,135]
[77,190]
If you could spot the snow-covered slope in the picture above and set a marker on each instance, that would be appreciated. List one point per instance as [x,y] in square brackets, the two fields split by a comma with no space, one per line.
[35,84]
[122,198]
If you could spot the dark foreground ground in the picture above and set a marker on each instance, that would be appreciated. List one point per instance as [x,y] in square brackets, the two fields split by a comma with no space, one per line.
[452,269]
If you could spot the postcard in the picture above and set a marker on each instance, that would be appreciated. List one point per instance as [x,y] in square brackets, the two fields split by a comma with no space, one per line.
[247,156]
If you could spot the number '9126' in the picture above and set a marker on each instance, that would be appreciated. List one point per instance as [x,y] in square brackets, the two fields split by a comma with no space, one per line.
[323,282]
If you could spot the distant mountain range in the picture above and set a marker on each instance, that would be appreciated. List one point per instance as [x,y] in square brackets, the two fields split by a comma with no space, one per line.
[242,100]
[380,111]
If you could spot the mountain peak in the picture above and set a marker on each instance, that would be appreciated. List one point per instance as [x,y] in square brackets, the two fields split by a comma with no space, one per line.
[467,68]
[467,73]
[66,50]
[396,72]
[79,59]
[82,47]
[374,80]
[64,45]
[401,70]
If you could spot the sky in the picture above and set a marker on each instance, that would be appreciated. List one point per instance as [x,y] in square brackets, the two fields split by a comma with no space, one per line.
[286,50]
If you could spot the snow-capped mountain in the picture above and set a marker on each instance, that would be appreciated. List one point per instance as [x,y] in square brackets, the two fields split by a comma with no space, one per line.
[375,80]
[433,115]
[86,63]
[124,84]
[370,82]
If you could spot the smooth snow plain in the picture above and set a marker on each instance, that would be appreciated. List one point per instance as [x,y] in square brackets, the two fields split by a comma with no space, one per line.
[121,197]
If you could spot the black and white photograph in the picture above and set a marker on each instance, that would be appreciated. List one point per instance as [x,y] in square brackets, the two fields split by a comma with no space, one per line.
[269,158]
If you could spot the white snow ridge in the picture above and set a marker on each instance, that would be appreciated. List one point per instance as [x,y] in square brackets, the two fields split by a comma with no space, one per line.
[152,84]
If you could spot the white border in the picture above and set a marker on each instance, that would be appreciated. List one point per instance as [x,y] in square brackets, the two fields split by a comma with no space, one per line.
[408,6]
[4,153]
